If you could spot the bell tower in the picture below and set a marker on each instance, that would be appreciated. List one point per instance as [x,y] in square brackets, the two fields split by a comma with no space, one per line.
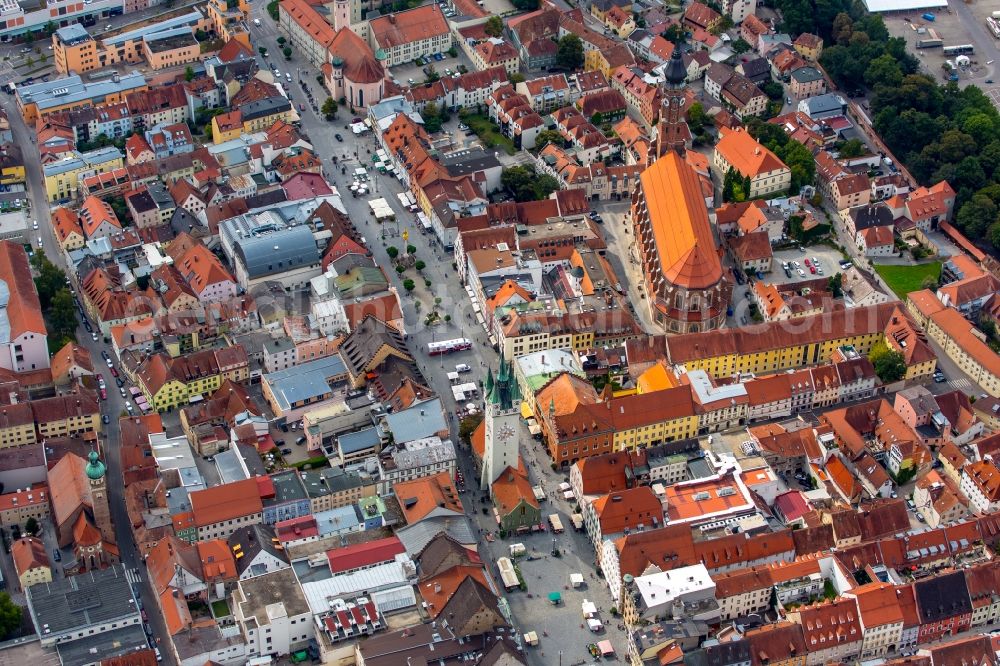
[341,14]
[672,131]
[503,411]
[97,478]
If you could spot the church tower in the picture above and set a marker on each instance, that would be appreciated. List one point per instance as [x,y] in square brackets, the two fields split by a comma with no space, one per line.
[503,411]
[672,132]
[98,479]
[341,14]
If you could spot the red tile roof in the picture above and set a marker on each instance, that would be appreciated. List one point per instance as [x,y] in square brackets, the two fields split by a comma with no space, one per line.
[364,554]
[225,502]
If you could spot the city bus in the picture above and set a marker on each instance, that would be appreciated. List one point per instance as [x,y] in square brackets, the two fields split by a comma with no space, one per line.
[961,49]
[448,346]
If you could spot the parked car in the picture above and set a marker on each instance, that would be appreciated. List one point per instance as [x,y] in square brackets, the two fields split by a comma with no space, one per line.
[106,419]
[338,137]
[285,452]
[300,441]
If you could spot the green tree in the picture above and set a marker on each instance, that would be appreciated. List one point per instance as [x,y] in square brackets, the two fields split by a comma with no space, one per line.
[976,215]
[883,71]
[188,73]
[836,285]
[62,314]
[329,108]
[852,148]
[10,615]
[432,74]
[674,34]
[570,52]
[697,118]
[409,285]
[524,184]
[280,40]
[392,251]
[773,90]
[526,5]
[545,137]
[468,425]
[262,51]
[889,364]
[494,26]
[31,526]
[740,46]
[517,77]
[419,264]
[432,117]
[49,281]
[287,52]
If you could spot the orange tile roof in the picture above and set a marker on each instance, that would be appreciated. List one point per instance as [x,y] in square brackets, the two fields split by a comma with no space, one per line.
[69,487]
[24,312]
[877,604]
[985,475]
[680,225]
[843,478]
[217,561]
[69,356]
[94,212]
[409,26]
[925,302]
[627,509]
[175,611]
[29,553]
[742,581]
[830,625]
[38,493]
[163,560]
[202,268]
[225,502]
[682,501]
[438,590]
[958,328]
[745,154]
[510,488]
[66,222]
[420,496]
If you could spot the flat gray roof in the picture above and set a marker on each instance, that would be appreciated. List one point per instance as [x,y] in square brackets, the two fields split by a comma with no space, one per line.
[97,648]
[82,601]
[72,89]
[305,381]
[146,32]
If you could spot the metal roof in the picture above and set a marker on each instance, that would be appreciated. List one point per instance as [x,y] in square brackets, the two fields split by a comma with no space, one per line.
[277,252]
[304,382]
[78,602]
[353,442]
[72,90]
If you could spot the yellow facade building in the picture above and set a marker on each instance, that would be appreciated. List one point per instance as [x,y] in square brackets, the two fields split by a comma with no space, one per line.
[62,178]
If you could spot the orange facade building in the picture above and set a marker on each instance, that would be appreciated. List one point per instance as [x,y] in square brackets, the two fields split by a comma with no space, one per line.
[687,290]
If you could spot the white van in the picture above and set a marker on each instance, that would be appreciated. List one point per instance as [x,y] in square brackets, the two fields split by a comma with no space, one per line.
[462,367]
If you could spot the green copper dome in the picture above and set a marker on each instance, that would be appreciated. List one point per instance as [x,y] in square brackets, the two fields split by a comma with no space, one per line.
[381,55]
[95,468]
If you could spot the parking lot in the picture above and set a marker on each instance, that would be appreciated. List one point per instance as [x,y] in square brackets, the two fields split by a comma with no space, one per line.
[826,266]
[412,74]
[963,25]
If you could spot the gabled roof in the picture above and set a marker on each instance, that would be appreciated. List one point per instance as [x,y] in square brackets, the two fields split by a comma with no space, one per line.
[166,557]
[680,224]
[420,496]
[225,502]
[23,311]
[364,554]
[29,553]
[745,154]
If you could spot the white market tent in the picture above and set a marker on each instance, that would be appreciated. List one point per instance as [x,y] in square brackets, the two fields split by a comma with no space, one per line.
[381,209]
[877,6]
[576,579]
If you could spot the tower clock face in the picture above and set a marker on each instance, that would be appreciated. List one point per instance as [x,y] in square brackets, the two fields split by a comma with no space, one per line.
[505,433]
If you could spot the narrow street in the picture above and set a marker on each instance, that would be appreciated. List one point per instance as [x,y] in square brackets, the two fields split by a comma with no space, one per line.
[115,404]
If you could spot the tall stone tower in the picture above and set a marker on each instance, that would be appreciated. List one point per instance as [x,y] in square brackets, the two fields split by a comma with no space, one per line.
[341,14]
[672,131]
[98,479]
[503,407]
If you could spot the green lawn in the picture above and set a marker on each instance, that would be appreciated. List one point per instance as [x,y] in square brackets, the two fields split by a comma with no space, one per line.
[488,132]
[904,279]
[220,608]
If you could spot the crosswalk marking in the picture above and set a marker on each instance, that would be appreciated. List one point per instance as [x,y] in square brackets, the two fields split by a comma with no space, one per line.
[960,384]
